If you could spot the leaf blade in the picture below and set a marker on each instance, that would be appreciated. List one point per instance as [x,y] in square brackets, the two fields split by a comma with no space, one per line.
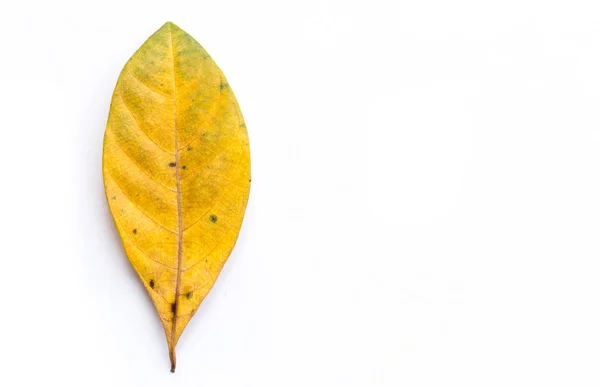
[176,167]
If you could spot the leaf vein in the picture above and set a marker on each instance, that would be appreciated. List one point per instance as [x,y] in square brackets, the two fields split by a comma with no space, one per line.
[212,250]
[140,126]
[140,167]
[147,86]
[136,206]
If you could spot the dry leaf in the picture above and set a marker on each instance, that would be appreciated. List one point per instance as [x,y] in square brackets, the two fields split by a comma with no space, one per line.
[176,167]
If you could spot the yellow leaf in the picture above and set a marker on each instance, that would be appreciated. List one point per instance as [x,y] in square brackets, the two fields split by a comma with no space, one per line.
[176,166]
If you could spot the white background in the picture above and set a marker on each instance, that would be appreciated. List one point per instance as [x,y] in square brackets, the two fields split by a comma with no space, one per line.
[425,204]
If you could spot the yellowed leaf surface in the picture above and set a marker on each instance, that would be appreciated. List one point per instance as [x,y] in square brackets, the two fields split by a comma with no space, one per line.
[176,166]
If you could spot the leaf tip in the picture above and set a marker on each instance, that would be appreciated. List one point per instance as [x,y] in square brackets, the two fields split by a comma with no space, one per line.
[169,25]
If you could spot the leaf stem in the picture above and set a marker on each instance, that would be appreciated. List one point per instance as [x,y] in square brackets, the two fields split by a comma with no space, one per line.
[173,359]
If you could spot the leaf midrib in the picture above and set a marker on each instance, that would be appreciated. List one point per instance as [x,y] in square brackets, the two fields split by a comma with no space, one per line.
[179,212]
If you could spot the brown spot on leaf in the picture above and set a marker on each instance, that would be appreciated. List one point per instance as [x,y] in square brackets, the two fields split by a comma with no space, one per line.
[152,283]
[172,165]
[188,295]
[223,85]
[174,308]
[135,230]
[213,218]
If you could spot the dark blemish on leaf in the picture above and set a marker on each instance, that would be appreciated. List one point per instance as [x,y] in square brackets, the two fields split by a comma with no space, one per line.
[172,165]
[213,218]
[135,230]
[189,148]
[114,198]
[222,85]
[249,180]
[188,295]
[174,308]
[152,283]
[243,126]
[183,167]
